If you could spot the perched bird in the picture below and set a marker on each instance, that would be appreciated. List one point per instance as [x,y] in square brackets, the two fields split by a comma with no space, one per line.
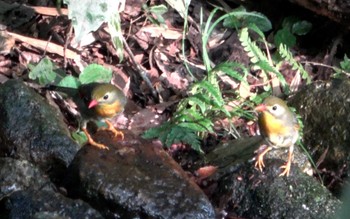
[280,128]
[95,102]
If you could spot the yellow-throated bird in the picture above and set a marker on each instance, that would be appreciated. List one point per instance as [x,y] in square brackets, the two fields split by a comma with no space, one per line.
[95,101]
[280,128]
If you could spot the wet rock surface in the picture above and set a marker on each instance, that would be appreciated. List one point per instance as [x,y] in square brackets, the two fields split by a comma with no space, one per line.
[16,175]
[32,130]
[325,107]
[45,204]
[251,194]
[136,176]
[240,190]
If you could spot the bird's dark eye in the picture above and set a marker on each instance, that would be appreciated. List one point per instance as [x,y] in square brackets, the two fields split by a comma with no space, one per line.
[274,107]
[105,97]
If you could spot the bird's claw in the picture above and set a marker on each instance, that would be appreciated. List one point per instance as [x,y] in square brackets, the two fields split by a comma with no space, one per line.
[260,159]
[94,143]
[286,168]
[111,128]
[260,163]
[100,146]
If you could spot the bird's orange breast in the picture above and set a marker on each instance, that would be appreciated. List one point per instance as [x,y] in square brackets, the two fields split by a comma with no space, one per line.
[271,125]
[109,110]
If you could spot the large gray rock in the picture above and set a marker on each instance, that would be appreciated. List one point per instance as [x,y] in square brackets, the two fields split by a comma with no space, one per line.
[32,130]
[325,107]
[16,175]
[135,179]
[251,194]
[243,191]
[45,204]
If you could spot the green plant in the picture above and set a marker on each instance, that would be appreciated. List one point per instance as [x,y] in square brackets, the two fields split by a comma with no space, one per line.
[267,63]
[46,73]
[344,68]
[291,27]
[195,114]
[154,13]
[259,59]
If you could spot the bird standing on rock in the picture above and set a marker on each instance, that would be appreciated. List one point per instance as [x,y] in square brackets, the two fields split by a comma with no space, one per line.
[96,102]
[280,128]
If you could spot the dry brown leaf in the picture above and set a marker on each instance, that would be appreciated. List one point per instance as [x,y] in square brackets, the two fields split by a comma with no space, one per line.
[155,31]
[7,42]
[295,83]
[244,90]
[49,11]
[205,172]
[47,46]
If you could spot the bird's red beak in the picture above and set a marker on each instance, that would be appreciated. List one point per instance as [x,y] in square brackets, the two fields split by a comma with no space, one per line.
[260,108]
[92,103]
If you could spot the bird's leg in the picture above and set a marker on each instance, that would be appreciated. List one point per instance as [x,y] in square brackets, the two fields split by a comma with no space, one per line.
[112,129]
[286,167]
[92,142]
[260,158]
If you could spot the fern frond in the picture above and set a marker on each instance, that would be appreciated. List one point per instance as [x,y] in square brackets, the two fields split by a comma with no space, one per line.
[264,65]
[233,69]
[253,51]
[212,91]
[185,135]
[288,56]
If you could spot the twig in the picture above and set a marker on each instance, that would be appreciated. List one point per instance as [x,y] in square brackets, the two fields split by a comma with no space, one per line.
[142,72]
[326,66]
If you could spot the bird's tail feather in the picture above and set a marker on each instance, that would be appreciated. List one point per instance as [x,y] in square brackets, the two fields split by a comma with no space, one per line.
[67,90]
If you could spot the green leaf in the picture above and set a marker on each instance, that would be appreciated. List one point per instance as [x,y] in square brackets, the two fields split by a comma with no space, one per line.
[268,68]
[79,137]
[229,68]
[158,9]
[260,20]
[169,134]
[174,136]
[284,36]
[181,134]
[253,51]
[289,21]
[285,53]
[69,81]
[95,73]
[188,115]
[161,132]
[192,139]
[242,18]
[345,64]
[43,72]
[116,33]
[301,28]
[232,22]
[198,100]
[88,15]
[256,29]
[213,91]
[193,126]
